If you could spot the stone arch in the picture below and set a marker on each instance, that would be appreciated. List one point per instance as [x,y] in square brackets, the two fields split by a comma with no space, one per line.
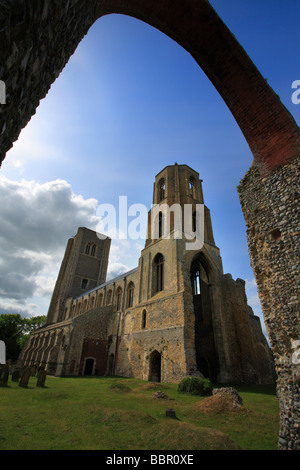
[271,132]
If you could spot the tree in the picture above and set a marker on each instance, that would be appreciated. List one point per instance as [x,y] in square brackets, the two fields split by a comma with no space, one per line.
[14,330]
[11,326]
[30,324]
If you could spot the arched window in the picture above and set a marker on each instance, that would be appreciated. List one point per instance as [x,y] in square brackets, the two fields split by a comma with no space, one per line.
[160,224]
[93,250]
[161,190]
[73,310]
[109,297]
[118,299]
[192,187]
[92,302]
[194,222]
[158,273]
[144,319]
[85,306]
[78,308]
[100,300]
[196,283]
[130,293]
[87,249]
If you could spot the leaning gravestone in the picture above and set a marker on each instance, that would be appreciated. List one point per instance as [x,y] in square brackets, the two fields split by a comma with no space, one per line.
[15,376]
[41,378]
[25,378]
[4,374]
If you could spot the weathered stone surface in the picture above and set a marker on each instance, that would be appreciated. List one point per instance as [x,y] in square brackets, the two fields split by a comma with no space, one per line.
[271,210]
[160,394]
[229,392]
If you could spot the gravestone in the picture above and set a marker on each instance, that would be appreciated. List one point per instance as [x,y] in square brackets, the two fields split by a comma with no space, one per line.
[41,378]
[25,377]
[170,413]
[4,374]
[15,376]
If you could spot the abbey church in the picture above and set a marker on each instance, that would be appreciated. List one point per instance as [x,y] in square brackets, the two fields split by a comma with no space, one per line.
[175,314]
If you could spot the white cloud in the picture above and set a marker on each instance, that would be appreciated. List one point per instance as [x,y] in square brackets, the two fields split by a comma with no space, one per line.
[115,269]
[36,220]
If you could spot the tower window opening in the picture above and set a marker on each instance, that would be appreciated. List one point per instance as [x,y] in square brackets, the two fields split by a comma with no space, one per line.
[192,187]
[130,295]
[194,222]
[159,272]
[162,190]
[144,319]
[118,299]
[160,224]
[196,283]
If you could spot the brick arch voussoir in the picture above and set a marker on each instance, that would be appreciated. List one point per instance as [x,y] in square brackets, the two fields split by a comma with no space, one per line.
[37,44]
[269,129]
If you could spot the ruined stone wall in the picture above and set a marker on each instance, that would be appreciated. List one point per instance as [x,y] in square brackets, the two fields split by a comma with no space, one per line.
[249,357]
[271,210]
[88,339]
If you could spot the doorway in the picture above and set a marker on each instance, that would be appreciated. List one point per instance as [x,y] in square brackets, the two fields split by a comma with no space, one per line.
[155,367]
[89,366]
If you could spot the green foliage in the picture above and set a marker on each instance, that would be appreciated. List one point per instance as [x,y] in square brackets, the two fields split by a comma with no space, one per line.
[195,386]
[14,330]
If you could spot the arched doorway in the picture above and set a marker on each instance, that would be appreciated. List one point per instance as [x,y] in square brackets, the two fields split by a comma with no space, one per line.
[205,353]
[89,366]
[155,367]
[203,367]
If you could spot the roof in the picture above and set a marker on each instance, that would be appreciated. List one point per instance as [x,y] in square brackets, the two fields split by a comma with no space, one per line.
[111,281]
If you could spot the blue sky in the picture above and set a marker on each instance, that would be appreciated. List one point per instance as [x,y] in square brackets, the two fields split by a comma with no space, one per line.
[129,102]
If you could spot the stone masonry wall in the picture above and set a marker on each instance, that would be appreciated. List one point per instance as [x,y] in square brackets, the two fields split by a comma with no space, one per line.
[271,210]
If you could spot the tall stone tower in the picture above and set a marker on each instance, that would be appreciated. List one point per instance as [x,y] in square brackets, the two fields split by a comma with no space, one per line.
[184,287]
[173,315]
[84,266]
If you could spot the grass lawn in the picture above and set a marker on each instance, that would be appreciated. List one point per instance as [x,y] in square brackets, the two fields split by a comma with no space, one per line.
[121,414]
